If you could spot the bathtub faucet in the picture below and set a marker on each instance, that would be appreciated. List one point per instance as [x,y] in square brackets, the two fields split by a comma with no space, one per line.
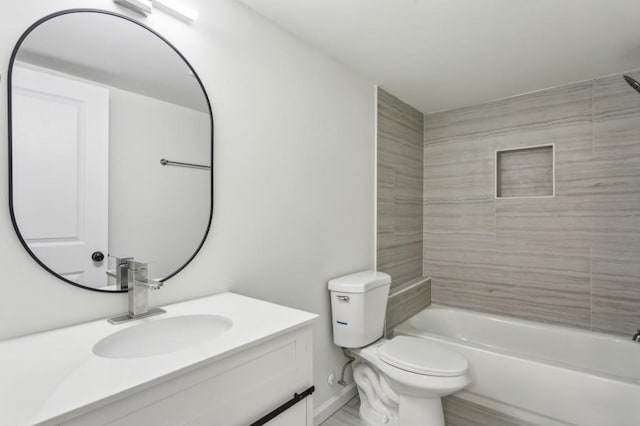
[636,337]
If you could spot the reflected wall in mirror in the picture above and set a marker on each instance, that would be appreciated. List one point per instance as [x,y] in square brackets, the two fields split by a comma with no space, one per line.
[96,101]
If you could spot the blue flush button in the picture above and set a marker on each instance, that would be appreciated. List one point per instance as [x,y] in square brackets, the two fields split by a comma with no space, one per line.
[341,322]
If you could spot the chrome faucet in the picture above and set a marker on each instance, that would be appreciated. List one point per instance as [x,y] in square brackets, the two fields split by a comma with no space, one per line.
[636,337]
[138,286]
[122,272]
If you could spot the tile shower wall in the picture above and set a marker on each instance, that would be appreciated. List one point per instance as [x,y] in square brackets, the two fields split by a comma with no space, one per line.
[399,186]
[573,259]
[406,301]
[399,208]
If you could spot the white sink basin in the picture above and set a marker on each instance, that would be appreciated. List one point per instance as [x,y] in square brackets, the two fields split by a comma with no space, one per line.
[162,336]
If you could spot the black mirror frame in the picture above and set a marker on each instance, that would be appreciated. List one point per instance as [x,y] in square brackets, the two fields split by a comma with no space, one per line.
[10,139]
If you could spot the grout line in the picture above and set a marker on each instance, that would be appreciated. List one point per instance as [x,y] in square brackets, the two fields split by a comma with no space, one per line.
[424,189]
[593,137]
[495,222]
[591,288]
[593,153]
[375,177]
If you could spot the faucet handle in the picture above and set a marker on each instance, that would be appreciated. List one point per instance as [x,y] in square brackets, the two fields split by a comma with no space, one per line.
[136,265]
[155,284]
[138,276]
[150,284]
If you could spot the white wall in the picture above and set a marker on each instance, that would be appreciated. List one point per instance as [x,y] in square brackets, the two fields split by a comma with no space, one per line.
[294,183]
[157,213]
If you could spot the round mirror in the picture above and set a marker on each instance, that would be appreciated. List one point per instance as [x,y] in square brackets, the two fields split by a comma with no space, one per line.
[110,149]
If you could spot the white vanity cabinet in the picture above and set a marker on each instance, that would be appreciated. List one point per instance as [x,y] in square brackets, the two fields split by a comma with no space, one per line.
[235,379]
[236,390]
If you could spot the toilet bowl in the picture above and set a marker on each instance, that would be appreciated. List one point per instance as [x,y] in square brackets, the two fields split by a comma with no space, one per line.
[401,381]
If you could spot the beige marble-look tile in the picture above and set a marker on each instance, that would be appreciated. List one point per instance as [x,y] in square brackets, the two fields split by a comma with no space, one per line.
[614,171]
[526,172]
[572,136]
[550,108]
[400,138]
[385,198]
[459,412]
[615,284]
[616,295]
[400,180]
[460,144]
[609,179]
[561,223]
[527,281]
[571,259]
[408,209]
[459,170]
[400,135]
[529,303]
[404,115]
[406,230]
[402,158]
[411,299]
[436,127]
[463,165]
[616,113]
[615,233]
[572,143]
[460,220]
[615,227]
[500,258]
[403,262]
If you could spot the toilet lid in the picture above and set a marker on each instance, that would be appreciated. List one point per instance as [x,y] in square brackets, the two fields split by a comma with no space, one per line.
[423,357]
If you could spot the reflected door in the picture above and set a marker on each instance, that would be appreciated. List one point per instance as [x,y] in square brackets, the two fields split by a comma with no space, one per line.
[60,172]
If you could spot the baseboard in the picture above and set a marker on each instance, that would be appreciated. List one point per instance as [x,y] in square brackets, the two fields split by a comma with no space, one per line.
[323,412]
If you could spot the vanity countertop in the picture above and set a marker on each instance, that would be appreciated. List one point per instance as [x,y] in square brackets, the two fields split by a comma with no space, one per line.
[54,375]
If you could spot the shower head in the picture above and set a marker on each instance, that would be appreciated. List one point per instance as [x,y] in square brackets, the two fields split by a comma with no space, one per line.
[633,83]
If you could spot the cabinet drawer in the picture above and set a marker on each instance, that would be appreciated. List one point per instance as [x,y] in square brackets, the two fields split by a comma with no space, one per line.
[234,391]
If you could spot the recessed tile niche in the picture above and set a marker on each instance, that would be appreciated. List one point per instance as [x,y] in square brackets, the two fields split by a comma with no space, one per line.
[525,172]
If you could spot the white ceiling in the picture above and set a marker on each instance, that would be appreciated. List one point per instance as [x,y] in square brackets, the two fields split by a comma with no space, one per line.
[443,54]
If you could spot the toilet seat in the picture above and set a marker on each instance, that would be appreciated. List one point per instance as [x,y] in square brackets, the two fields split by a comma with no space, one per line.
[408,382]
[423,357]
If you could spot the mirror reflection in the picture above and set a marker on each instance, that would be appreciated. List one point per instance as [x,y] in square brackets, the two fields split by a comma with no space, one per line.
[97,101]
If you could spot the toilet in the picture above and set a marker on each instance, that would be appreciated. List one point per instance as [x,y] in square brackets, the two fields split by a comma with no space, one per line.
[400,381]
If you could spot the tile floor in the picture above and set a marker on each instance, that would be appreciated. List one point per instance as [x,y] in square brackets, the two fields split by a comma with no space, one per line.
[346,416]
[458,412]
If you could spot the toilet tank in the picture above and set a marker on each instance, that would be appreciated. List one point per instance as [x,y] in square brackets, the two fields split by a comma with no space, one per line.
[358,306]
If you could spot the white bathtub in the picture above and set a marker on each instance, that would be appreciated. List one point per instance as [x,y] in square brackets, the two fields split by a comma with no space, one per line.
[541,373]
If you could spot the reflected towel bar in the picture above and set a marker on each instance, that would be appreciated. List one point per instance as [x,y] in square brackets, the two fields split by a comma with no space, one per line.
[165,162]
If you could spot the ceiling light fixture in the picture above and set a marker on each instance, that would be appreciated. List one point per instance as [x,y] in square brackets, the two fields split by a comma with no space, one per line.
[175,8]
[142,7]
